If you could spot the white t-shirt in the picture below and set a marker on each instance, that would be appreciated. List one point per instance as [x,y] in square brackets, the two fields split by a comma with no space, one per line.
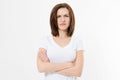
[57,54]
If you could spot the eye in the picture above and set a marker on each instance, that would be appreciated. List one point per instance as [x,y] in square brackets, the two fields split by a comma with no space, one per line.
[58,16]
[66,15]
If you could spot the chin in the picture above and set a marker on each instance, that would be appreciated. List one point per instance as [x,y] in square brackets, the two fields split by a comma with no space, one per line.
[63,28]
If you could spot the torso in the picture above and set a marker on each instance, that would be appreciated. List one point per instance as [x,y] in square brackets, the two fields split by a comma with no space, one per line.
[59,51]
[62,42]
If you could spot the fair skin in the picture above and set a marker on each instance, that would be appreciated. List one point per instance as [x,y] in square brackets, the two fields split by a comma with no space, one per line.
[63,20]
[67,68]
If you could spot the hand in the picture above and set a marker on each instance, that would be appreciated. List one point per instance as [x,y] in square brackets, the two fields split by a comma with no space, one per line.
[43,55]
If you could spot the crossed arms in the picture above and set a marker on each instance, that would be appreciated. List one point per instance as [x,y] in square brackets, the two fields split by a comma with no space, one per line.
[66,68]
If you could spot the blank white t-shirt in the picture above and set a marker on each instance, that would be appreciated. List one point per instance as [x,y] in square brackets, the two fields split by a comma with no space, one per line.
[58,54]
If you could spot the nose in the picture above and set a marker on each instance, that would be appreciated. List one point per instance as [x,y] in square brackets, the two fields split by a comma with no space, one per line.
[62,19]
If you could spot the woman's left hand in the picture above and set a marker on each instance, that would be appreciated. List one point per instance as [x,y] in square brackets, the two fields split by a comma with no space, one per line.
[43,55]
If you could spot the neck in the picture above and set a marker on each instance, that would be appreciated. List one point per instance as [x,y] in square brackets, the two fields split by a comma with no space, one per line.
[62,34]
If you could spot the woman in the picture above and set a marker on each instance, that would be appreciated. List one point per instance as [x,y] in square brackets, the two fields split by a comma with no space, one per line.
[60,55]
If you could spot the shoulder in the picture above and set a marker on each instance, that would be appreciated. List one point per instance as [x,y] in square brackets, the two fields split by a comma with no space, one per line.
[44,41]
[45,38]
[77,39]
[78,42]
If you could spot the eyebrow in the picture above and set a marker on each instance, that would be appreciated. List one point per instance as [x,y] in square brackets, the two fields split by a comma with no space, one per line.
[60,14]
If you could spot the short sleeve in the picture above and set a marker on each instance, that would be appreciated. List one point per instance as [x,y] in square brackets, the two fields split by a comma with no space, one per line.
[43,43]
[80,45]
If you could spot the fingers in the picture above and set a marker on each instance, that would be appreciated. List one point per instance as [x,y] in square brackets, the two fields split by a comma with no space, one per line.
[43,50]
[43,55]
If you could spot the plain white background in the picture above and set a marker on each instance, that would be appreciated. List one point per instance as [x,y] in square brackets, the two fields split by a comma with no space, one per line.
[23,22]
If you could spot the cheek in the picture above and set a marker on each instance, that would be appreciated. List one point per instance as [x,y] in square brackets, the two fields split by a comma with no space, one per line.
[58,22]
[68,21]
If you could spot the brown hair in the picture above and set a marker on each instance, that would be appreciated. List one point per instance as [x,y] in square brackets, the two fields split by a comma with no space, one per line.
[53,19]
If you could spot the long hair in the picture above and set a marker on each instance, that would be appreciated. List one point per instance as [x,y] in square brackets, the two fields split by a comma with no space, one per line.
[53,19]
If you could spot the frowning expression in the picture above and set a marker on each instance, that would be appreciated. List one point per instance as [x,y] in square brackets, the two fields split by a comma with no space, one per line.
[63,19]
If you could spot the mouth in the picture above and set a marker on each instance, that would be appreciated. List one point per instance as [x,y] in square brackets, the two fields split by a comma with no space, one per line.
[62,24]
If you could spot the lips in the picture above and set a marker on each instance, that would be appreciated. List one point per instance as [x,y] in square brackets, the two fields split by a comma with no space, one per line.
[62,24]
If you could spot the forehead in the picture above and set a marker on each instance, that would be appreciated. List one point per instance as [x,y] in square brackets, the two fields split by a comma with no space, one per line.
[62,11]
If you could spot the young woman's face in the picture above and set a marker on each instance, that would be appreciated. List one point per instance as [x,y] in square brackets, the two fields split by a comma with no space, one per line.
[63,19]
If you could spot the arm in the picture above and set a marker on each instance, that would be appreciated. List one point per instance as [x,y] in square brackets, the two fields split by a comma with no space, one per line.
[46,66]
[76,70]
